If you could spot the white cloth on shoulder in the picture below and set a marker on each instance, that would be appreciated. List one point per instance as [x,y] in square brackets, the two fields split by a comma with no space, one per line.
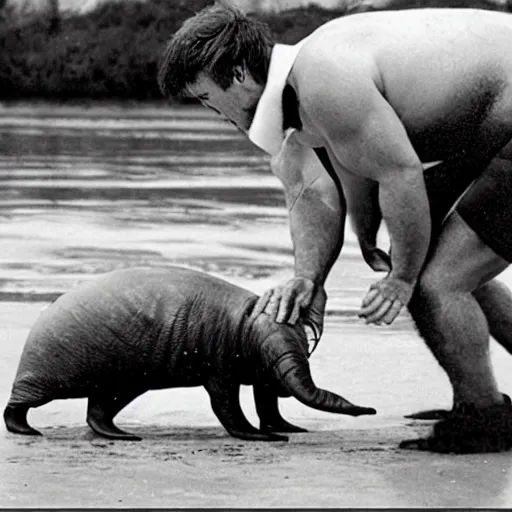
[266,130]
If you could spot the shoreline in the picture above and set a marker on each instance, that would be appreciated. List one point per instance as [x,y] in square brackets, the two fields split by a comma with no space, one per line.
[186,459]
[126,188]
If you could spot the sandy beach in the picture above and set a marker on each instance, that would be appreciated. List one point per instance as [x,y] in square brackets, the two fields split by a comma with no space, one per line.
[85,191]
[186,459]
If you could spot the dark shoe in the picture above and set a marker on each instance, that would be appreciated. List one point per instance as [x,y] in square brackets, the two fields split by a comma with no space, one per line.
[469,430]
[441,414]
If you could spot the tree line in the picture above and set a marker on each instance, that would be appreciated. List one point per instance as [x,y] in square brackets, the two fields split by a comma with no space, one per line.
[112,52]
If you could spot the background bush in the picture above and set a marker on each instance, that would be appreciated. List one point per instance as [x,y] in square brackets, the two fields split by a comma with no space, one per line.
[112,52]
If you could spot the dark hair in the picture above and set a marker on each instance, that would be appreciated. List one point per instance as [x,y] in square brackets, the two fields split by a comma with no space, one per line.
[214,41]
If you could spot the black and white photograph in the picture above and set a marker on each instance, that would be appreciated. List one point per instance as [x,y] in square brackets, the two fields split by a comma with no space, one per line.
[255,254]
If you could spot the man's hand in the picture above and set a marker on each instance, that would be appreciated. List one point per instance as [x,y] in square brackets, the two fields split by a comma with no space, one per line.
[284,303]
[385,299]
[376,258]
[312,315]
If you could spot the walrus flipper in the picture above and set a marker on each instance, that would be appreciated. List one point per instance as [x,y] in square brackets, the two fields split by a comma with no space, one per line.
[100,415]
[267,407]
[15,417]
[226,406]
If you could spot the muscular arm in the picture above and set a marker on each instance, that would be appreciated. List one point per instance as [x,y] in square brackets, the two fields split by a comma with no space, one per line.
[317,210]
[367,138]
[376,146]
[405,209]
[363,209]
[317,215]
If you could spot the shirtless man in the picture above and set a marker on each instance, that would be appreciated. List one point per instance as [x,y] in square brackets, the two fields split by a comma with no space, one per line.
[376,96]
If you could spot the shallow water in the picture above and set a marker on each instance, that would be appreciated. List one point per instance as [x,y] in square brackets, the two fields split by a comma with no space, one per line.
[90,190]
[85,190]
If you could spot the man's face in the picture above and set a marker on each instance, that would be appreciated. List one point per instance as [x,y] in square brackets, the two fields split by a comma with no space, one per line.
[237,103]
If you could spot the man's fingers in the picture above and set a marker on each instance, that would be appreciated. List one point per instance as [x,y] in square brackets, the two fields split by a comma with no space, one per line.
[273,305]
[379,314]
[261,304]
[272,309]
[295,313]
[393,312]
[372,307]
[370,296]
[284,303]
[286,306]
[385,299]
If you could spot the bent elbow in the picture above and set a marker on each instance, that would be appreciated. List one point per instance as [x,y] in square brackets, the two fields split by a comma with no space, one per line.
[323,190]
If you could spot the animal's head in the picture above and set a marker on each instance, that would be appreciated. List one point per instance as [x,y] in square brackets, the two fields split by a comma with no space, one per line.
[283,353]
[284,335]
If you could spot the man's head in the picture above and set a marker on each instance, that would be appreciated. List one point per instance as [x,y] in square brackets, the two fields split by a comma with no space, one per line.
[221,57]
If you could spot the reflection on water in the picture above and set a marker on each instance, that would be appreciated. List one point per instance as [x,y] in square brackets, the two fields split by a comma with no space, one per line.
[88,190]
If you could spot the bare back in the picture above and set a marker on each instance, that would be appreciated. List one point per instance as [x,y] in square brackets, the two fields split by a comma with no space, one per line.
[447,73]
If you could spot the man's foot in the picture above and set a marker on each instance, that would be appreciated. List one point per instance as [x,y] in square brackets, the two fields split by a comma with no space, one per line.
[441,414]
[431,414]
[469,430]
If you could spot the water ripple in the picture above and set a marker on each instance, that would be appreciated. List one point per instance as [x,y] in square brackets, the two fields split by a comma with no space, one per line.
[88,190]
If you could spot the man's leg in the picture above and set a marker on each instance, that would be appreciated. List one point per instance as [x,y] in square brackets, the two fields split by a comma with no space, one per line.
[455,329]
[486,208]
[495,300]
[448,316]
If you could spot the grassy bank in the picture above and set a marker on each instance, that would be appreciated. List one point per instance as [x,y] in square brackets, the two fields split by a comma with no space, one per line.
[112,52]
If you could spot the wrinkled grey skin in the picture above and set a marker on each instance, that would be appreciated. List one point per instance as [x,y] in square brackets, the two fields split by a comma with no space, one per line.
[129,331]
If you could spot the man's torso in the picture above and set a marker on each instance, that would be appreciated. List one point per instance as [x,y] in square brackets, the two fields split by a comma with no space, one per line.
[447,74]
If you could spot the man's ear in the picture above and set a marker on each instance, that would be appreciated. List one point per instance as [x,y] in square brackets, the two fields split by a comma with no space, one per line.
[239,74]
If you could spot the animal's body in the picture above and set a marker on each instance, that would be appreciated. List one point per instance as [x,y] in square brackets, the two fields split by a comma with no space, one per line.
[130,331]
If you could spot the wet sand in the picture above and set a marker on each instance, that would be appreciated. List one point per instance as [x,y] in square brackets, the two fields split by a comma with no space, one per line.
[186,459]
[84,191]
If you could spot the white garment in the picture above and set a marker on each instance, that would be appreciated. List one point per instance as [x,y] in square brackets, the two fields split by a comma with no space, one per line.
[266,130]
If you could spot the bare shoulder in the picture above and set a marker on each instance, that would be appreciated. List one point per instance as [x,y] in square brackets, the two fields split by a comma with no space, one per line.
[361,42]
[333,77]
[346,67]
[340,39]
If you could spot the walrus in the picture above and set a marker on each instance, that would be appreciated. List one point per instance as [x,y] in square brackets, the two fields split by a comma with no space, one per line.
[115,337]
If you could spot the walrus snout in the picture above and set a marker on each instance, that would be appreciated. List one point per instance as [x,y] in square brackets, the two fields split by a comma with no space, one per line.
[293,370]
[285,353]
